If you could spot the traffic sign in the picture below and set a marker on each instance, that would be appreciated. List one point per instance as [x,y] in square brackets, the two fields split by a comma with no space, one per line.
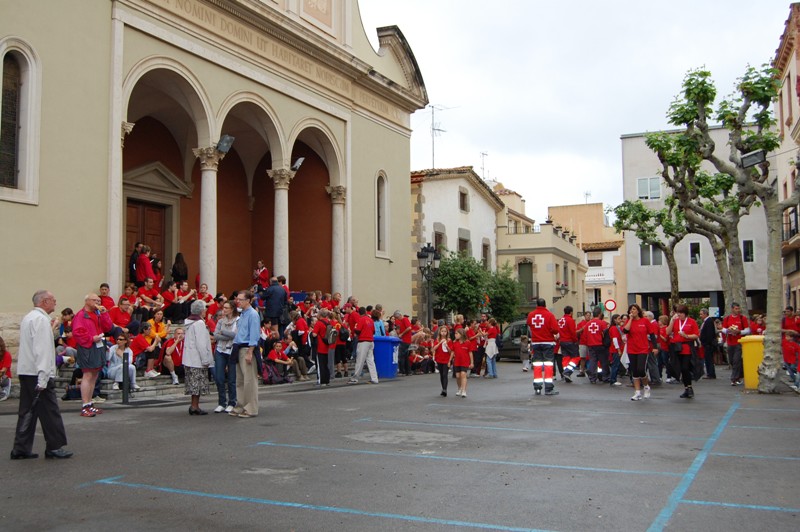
[610,305]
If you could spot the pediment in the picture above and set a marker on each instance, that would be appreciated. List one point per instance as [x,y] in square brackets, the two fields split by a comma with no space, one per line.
[157,177]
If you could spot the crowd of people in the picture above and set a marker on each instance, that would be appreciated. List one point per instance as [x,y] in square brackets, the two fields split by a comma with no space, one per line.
[164,328]
[673,348]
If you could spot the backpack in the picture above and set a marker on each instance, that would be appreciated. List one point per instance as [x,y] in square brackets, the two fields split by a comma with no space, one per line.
[272,375]
[607,337]
[331,334]
[498,341]
[344,334]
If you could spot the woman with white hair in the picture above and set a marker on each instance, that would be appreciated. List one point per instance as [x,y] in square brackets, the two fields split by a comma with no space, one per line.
[197,357]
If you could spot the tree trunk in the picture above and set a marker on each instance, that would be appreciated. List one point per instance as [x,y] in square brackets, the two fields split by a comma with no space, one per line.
[770,374]
[675,291]
[721,259]
[736,267]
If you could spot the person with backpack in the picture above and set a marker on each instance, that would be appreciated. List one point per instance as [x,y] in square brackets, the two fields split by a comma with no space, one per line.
[682,332]
[597,341]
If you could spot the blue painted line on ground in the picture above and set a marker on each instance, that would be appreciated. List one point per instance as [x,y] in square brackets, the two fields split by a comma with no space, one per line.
[463,459]
[683,486]
[743,506]
[756,456]
[538,431]
[761,428]
[114,481]
[796,410]
[576,410]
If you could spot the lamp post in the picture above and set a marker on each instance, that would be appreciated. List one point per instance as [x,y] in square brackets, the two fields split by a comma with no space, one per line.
[428,260]
[563,288]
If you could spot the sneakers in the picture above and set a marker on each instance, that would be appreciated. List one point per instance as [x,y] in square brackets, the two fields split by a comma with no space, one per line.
[220,409]
[617,383]
[458,393]
[175,381]
[312,370]
[3,396]
[525,370]
[86,412]
[137,388]
[463,395]
[551,392]
[99,399]
[582,374]
[115,386]
[537,391]
[352,381]
[637,396]
[152,374]
[228,409]
[688,393]
[647,392]
[337,375]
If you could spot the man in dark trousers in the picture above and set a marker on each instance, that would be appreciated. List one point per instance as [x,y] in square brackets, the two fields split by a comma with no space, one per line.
[275,300]
[708,339]
[36,367]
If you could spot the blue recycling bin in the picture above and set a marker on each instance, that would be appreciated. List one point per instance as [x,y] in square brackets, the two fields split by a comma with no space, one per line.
[386,356]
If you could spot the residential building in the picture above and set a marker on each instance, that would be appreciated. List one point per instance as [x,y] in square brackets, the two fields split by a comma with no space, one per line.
[647,273]
[546,258]
[783,161]
[604,251]
[453,209]
[112,117]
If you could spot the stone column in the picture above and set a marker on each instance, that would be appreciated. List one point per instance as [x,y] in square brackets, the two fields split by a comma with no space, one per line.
[209,160]
[280,250]
[338,197]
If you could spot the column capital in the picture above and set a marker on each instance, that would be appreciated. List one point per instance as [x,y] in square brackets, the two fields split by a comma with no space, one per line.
[126,129]
[281,177]
[338,193]
[209,157]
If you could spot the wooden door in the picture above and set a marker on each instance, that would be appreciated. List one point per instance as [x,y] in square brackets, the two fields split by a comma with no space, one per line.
[146,222]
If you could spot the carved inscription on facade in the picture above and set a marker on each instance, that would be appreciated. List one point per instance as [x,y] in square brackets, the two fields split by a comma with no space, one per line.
[235,31]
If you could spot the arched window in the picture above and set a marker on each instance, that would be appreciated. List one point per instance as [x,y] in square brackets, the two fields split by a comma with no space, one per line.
[19,122]
[9,122]
[381,215]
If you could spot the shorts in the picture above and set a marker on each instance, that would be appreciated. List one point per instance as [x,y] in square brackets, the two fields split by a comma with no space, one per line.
[91,358]
[460,369]
[583,350]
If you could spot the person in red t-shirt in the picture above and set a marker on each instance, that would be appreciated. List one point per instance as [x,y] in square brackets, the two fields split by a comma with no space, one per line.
[543,328]
[121,315]
[682,331]
[172,356]
[443,356]
[5,371]
[149,299]
[492,331]
[791,356]
[403,325]
[321,348]
[364,330]
[462,360]
[204,296]
[735,325]
[583,348]
[568,344]
[598,354]
[105,300]
[144,269]
[638,329]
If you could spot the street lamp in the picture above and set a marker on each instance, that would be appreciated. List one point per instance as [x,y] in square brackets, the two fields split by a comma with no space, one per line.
[428,260]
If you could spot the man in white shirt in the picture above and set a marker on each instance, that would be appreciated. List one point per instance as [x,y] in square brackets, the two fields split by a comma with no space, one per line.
[36,368]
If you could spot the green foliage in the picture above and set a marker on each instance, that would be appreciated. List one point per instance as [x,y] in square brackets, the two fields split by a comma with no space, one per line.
[504,294]
[649,225]
[460,284]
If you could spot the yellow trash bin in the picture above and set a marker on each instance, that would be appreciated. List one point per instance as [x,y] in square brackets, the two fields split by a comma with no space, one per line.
[752,355]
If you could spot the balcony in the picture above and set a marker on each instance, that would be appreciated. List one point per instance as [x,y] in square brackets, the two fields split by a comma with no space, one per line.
[599,275]
[791,236]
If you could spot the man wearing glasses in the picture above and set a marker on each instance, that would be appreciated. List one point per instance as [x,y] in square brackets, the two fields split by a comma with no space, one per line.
[245,342]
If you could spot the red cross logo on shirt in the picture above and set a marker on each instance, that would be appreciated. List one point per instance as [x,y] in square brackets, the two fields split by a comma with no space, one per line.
[537,321]
[593,328]
[562,323]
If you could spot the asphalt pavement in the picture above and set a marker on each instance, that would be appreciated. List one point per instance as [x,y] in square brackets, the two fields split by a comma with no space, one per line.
[398,456]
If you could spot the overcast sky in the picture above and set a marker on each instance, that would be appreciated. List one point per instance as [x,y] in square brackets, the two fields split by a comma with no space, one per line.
[547,88]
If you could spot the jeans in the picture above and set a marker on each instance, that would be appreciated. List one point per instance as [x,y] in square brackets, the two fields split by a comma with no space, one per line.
[614,368]
[491,366]
[598,358]
[735,359]
[221,363]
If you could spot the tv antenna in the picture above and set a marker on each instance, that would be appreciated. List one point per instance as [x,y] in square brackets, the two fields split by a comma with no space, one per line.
[587,195]
[436,130]
[483,162]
